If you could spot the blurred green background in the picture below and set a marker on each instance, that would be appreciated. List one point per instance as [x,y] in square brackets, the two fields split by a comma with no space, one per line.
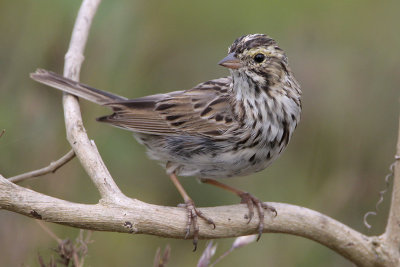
[345,54]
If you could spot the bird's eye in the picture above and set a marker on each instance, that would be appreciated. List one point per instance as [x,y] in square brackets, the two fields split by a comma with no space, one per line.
[259,58]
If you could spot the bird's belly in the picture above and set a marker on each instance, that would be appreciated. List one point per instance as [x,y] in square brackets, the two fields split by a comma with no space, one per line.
[205,158]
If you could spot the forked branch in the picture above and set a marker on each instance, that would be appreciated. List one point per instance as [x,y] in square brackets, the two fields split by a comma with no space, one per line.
[118,213]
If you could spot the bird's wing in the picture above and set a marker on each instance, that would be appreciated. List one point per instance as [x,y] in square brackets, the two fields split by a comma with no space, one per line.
[203,110]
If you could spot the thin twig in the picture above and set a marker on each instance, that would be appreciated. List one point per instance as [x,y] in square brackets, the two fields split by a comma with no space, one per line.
[49,232]
[2,132]
[226,253]
[52,167]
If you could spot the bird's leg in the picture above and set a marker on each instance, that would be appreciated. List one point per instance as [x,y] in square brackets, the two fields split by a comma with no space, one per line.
[192,212]
[247,199]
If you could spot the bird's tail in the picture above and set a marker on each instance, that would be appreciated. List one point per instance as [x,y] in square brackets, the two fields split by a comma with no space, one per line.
[75,88]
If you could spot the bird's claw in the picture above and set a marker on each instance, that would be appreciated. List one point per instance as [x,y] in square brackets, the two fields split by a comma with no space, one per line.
[252,202]
[192,214]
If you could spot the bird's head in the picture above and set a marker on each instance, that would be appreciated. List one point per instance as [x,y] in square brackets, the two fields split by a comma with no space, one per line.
[256,55]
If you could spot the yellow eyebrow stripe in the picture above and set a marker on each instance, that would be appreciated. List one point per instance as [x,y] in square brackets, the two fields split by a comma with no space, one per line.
[255,51]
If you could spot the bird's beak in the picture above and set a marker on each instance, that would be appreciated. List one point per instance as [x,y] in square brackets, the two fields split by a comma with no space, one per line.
[230,61]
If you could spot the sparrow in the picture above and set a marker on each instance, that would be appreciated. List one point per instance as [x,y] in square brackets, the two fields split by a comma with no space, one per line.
[226,127]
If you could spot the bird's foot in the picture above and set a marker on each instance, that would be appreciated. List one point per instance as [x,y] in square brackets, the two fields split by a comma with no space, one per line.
[252,202]
[192,214]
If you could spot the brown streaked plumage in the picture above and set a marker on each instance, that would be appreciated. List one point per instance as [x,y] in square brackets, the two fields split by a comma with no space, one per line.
[226,127]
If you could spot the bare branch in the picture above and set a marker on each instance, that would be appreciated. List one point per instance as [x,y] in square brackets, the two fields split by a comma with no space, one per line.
[142,218]
[85,150]
[53,167]
[2,132]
